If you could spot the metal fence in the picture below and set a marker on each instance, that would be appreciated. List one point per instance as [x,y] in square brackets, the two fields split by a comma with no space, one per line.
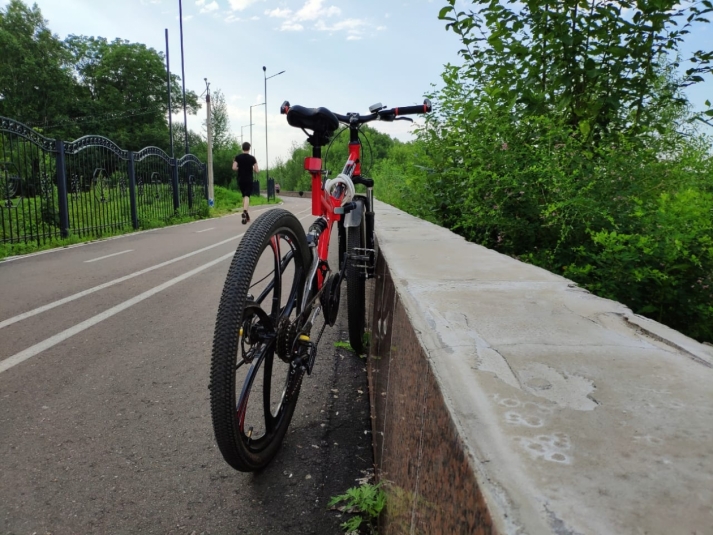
[89,187]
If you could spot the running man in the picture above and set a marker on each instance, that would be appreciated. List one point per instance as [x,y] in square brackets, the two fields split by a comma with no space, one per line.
[245,164]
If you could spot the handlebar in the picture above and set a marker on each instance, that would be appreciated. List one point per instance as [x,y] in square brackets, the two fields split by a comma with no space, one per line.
[319,118]
[386,114]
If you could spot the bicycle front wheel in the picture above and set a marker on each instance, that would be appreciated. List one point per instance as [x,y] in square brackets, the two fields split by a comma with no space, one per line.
[253,389]
[356,295]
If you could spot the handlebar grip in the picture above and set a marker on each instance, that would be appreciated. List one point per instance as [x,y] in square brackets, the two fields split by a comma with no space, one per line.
[410,110]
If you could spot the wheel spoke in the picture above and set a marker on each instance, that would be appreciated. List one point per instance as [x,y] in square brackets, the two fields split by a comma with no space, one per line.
[271,265]
[277,287]
[266,390]
[285,262]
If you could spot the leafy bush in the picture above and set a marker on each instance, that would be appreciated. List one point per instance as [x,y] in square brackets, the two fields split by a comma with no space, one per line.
[664,269]
[367,501]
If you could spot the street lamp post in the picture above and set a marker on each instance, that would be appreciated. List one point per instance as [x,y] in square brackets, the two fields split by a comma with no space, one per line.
[267,161]
[241,133]
[251,123]
[183,79]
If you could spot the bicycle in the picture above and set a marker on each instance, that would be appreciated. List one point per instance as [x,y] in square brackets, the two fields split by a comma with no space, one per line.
[277,285]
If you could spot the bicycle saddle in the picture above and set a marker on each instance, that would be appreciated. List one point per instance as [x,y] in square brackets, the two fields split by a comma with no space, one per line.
[321,120]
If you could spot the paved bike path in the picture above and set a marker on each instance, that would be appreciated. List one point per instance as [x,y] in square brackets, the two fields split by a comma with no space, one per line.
[108,431]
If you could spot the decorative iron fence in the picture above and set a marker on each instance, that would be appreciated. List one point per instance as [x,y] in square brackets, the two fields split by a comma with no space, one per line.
[89,187]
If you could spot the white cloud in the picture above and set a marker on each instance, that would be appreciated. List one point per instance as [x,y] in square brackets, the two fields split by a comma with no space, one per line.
[213,6]
[186,18]
[231,18]
[279,13]
[255,18]
[291,27]
[239,5]
[313,10]
[381,28]
[354,38]
[351,26]
[200,3]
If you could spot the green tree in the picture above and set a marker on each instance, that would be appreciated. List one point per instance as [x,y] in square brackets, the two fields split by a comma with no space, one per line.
[35,75]
[222,138]
[595,64]
[122,89]
[196,144]
[291,174]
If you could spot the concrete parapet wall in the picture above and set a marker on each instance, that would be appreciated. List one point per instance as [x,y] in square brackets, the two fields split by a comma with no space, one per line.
[505,399]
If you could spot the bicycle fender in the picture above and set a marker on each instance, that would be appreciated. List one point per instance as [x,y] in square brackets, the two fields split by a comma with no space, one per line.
[353,218]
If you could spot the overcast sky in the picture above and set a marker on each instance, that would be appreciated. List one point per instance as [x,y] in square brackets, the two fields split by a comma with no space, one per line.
[344,55]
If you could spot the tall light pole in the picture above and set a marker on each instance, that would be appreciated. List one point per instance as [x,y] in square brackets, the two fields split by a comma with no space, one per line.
[209,130]
[267,161]
[183,76]
[168,89]
[241,133]
[251,123]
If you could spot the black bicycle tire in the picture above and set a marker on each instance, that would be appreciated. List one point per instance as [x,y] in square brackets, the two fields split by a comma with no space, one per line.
[356,295]
[226,338]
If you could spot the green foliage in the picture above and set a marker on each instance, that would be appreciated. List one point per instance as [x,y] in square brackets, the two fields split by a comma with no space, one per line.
[225,202]
[13,249]
[367,501]
[220,132]
[663,268]
[343,345]
[291,174]
[35,76]
[595,65]
[84,85]
[564,141]
[630,220]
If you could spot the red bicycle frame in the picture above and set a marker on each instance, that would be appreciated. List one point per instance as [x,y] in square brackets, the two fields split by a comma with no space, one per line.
[324,204]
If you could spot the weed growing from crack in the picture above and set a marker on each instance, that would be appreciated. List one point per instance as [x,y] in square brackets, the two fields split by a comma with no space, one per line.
[366,501]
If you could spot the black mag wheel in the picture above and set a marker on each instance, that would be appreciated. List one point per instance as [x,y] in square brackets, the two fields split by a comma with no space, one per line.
[252,392]
[356,280]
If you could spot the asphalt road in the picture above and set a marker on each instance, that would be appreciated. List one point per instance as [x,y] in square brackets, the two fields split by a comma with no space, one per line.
[104,406]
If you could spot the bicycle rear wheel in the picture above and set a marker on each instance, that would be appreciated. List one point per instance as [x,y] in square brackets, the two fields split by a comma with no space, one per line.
[253,389]
[356,295]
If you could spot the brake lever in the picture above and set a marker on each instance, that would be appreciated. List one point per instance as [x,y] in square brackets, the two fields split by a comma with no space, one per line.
[404,119]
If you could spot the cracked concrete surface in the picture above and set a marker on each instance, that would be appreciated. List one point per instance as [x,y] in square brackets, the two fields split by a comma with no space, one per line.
[579,416]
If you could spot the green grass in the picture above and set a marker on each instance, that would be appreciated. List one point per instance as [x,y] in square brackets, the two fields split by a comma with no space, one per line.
[14,249]
[343,345]
[226,201]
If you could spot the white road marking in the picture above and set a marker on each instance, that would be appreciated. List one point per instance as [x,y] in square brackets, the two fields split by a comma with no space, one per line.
[68,299]
[205,230]
[67,333]
[107,256]
[73,297]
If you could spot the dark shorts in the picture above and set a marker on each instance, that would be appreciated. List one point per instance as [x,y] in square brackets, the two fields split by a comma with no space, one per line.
[246,188]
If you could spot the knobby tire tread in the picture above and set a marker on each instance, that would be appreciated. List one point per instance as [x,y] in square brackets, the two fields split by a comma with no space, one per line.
[223,395]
